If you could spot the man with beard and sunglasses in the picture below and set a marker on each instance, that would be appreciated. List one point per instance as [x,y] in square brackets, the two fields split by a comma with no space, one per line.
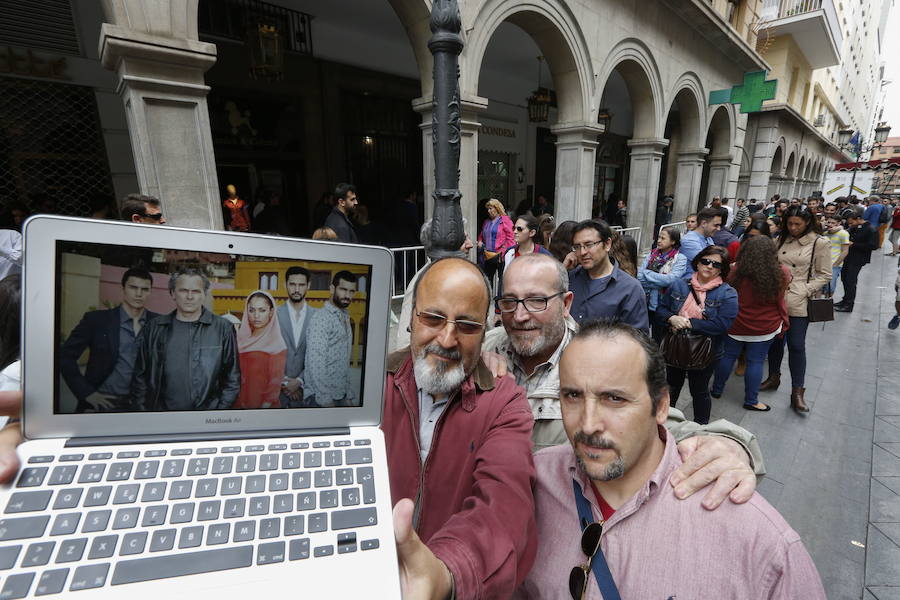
[607,490]
[329,348]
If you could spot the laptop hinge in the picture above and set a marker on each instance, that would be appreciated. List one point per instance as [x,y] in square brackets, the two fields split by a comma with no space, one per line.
[168,438]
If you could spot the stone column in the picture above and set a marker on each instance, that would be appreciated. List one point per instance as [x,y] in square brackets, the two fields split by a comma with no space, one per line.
[688,175]
[719,175]
[643,186]
[576,154]
[761,160]
[471,107]
[153,48]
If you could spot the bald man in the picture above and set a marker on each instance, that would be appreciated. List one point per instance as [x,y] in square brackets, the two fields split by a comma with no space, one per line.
[459,448]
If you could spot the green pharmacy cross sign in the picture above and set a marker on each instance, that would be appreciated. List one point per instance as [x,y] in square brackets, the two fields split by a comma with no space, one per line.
[750,95]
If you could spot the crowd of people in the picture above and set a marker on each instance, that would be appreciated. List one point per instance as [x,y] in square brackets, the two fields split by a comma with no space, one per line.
[466,404]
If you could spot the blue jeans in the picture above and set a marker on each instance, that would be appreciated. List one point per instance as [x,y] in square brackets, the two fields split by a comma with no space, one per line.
[795,339]
[835,275]
[756,356]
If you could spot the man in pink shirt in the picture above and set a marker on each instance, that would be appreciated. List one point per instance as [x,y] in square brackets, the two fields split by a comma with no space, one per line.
[621,456]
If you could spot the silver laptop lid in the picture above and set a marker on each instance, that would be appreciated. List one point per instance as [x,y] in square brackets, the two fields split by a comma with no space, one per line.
[212,349]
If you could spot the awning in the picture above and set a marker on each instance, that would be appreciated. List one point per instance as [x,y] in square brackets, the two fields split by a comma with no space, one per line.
[880,163]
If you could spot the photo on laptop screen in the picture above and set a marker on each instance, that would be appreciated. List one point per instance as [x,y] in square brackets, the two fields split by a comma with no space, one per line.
[158,330]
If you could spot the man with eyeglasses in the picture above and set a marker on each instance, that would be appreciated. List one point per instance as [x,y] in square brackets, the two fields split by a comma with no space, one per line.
[536,330]
[600,288]
[605,521]
[139,208]
[458,446]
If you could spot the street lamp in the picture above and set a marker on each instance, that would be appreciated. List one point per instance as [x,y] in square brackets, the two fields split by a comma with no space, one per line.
[860,147]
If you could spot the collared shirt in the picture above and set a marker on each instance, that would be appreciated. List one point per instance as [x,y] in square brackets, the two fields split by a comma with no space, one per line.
[656,544]
[118,382]
[691,245]
[430,410]
[297,319]
[618,296]
[541,386]
[328,351]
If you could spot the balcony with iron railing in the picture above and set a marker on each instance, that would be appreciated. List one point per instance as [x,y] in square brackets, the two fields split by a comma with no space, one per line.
[812,23]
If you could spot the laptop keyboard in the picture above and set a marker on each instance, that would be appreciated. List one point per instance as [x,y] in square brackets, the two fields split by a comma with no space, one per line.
[134,516]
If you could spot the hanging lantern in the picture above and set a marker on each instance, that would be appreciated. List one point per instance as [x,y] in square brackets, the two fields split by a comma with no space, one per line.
[540,100]
[266,52]
[604,118]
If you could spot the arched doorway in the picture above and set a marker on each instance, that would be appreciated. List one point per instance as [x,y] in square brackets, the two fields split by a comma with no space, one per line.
[776,171]
[717,169]
[631,93]
[499,71]
[684,157]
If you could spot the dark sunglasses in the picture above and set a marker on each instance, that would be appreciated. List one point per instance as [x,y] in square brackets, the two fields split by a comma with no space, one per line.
[155,217]
[710,263]
[579,576]
[520,229]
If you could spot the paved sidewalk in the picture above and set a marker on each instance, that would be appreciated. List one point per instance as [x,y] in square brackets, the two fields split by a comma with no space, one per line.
[835,473]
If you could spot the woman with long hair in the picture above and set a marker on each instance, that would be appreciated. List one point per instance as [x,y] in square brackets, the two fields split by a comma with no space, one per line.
[662,266]
[561,241]
[624,250]
[705,305]
[760,281]
[495,239]
[262,353]
[803,250]
[546,226]
[526,231]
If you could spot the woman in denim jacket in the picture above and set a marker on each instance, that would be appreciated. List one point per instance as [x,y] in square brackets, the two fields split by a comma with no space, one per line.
[710,313]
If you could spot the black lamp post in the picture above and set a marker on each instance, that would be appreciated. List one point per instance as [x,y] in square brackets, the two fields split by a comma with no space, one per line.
[445,45]
[844,137]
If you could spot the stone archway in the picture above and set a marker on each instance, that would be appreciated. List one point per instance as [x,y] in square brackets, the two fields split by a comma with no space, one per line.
[776,171]
[632,62]
[719,141]
[685,156]
[558,36]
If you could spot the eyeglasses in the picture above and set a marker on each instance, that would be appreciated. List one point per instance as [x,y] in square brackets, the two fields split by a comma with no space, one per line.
[154,217]
[433,321]
[532,304]
[586,245]
[580,575]
[710,263]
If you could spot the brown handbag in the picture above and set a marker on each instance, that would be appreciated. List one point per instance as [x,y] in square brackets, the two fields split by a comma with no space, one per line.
[818,310]
[686,349]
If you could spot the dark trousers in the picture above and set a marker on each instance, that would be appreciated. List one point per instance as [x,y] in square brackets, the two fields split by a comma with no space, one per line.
[849,276]
[795,340]
[698,383]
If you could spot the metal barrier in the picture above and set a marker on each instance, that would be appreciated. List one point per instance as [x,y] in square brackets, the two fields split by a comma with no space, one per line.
[636,233]
[679,226]
[407,262]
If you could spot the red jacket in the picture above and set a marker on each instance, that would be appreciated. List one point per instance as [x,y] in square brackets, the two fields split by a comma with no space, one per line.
[756,317]
[474,505]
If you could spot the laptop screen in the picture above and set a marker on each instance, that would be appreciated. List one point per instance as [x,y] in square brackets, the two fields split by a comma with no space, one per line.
[165,329]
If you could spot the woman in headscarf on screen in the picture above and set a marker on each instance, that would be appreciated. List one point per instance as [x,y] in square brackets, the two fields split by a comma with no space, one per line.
[262,353]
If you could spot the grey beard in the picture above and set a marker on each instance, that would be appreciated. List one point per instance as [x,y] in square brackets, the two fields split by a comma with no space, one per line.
[438,380]
[613,470]
[551,334]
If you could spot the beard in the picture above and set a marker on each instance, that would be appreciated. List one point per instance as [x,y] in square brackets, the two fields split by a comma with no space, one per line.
[441,379]
[340,302]
[551,334]
[613,470]
[297,296]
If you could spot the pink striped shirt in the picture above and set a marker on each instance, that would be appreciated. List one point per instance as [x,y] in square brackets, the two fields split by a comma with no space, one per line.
[662,548]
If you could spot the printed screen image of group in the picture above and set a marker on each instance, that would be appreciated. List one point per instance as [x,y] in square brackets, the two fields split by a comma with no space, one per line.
[175,330]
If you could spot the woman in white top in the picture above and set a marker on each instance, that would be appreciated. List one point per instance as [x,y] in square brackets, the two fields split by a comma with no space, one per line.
[525,230]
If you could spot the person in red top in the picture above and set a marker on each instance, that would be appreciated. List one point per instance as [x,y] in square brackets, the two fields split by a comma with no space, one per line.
[236,212]
[760,282]
[755,225]
[895,232]
[262,353]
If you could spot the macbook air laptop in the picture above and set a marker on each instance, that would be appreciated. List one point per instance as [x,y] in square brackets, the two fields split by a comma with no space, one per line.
[201,414]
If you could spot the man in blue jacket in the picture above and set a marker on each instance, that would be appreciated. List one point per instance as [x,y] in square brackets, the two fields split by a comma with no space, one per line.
[600,288]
